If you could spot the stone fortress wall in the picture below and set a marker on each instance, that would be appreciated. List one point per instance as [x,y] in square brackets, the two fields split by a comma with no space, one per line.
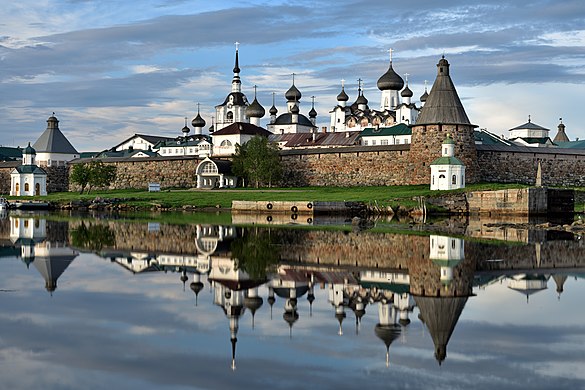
[360,166]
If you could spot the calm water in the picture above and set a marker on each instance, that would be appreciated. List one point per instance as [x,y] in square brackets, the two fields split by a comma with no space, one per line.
[107,304]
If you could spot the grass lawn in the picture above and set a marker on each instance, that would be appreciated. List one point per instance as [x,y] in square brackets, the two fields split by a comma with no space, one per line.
[384,196]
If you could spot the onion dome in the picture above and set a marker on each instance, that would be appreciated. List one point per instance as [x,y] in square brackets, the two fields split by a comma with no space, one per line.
[293,94]
[273,110]
[406,92]
[390,80]
[186,130]
[294,109]
[255,110]
[29,150]
[342,97]
[196,287]
[361,100]
[312,113]
[424,96]
[198,121]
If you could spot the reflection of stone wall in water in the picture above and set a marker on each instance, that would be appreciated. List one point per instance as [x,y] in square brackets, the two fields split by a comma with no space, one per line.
[383,250]
[425,277]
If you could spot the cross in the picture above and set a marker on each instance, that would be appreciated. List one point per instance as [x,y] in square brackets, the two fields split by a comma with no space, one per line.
[185,121]
[273,93]
[255,86]
[342,83]
[293,76]
[198,108]
[313,98]
[406,76]
[528,118]
[390,51]
[237,44]
[359,83]
[426,82]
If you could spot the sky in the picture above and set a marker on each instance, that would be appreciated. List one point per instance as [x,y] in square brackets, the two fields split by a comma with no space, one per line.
[110,69]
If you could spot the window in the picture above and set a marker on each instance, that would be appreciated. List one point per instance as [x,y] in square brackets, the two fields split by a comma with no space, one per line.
[366,142]
[209,168]
[433,180]
[225,143]
[373,142]
[440,176]
[384,142]
[26,187]
[229,117]
[445,151]
[454,179]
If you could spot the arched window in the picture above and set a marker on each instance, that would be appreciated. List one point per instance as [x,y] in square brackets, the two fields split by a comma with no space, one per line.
[38,189]
[441,176]
[209,168]
[229,117]
[17,188]
[454,179]
[225,143]
[26,187]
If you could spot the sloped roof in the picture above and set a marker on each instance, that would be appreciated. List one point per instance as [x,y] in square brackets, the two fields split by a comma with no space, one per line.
[443,104]
[534,140]
[530,126]
[7,152]
[153,139]
[447,161]
[399,129]
[291,140]
[487,138]
[242,128]
[53,141]
[571,144]
[30,169]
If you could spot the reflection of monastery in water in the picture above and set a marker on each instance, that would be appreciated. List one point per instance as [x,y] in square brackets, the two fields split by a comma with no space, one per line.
[395,279]
[50,258]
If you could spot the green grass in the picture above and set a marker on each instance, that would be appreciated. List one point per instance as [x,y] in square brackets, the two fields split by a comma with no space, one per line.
[384,196]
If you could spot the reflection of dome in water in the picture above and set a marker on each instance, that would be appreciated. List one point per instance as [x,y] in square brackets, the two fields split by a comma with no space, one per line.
[387,333]
[253,303]
[284,292]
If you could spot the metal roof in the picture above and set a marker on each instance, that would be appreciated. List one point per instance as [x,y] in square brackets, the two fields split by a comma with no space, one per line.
[399,129]
[292,140]
[53,141]
[242,128]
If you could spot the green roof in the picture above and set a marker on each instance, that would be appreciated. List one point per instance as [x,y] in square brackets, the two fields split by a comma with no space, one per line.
[534,140]
[447,263]
[29,169]
[399,129]
[447,161]
[571,144]
[394,287]
[449,140]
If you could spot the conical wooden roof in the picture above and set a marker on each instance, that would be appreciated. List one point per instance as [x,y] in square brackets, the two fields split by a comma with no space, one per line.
[443,104]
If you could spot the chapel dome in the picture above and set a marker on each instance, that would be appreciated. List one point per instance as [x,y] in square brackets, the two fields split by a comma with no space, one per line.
[255,110]
[390,80]
[406,92]
[293,94]
[342,97]
[198,121]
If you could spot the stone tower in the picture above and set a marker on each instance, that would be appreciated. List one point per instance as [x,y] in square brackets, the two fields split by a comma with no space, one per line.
[442,115]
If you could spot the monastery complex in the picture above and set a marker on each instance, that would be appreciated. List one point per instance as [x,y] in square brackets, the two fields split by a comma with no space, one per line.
[401,141]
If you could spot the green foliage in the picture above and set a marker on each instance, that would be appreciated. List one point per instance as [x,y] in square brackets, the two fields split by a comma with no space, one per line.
[80,175]
[92,236]
[93,174]
[254,253]
[257,162]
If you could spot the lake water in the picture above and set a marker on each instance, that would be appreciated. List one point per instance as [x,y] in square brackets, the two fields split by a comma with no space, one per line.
[143,304]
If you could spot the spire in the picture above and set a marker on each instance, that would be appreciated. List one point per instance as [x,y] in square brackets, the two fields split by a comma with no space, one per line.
[234,340]
[443,104]
[561,135]
[236,83]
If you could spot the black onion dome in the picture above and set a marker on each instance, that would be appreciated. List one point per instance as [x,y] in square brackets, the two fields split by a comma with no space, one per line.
[255,110]
[424,96]
[406,92]
[198,121]
[313,113]
[390,80]
[361,100]
[342,97]
[185,129]
[273,110]
[293,94]
[196,287]
[294,109]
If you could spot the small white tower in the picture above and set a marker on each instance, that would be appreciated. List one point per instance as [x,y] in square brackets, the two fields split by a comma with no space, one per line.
[447,171]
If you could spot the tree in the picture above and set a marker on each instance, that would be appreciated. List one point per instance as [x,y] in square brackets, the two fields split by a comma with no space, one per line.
[257,161]
[80,175]
[93,174]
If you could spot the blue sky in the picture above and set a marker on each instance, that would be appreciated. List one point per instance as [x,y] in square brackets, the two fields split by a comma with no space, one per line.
[109,69]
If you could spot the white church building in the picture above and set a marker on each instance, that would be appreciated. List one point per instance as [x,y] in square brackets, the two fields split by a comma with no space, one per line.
[28,179]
